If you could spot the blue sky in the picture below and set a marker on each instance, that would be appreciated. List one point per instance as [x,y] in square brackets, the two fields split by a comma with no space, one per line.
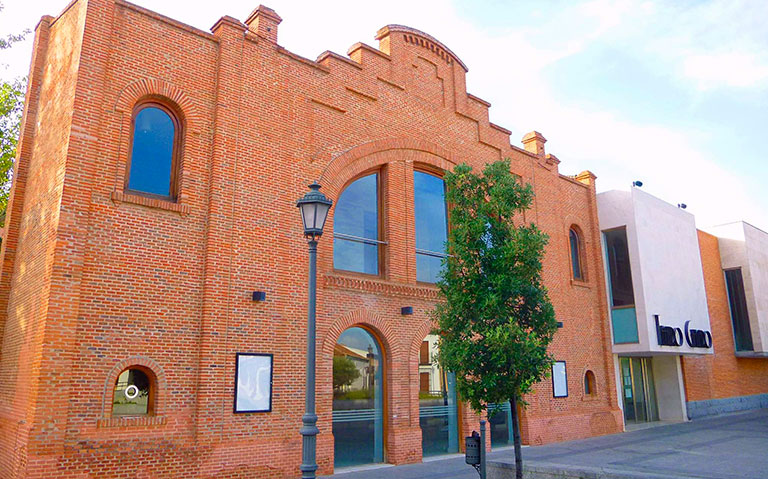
[673,93]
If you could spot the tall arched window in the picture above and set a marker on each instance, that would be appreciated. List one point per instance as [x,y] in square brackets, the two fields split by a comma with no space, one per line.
[576,266]
[431,220]
[356,227]
[154,151]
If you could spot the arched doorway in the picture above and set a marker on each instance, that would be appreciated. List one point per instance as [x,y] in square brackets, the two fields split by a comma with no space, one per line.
[438,409]
[358,399]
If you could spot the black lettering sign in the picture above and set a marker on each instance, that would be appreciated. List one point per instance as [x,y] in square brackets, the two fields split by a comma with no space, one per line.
[696,338]
[669,336]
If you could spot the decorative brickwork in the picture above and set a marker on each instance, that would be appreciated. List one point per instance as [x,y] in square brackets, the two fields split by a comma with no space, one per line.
[93,275]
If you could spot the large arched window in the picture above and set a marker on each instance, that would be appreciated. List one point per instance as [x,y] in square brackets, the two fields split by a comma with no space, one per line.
[356,227]
[431,220]
[576,265]
[154,151]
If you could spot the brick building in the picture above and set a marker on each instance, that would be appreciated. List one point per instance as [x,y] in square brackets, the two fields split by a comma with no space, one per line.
[155,189]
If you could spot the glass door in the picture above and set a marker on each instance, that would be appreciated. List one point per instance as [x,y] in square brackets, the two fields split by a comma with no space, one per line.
[438,413]
[358,425]
[638,390]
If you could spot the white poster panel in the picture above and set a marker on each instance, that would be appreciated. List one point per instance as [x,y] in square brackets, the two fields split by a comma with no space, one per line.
[253,383]
[559,380]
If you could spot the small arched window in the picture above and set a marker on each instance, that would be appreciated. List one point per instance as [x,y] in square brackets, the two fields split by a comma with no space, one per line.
[590,389]
[356,243]
[154,151]
[134,393]
[576,264]
[431,218]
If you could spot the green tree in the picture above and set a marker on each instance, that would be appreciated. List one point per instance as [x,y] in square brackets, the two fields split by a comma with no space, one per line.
[344,372]
[11,105]
[495,321]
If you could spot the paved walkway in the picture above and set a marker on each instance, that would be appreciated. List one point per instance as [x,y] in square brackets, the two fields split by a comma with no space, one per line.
[733,446]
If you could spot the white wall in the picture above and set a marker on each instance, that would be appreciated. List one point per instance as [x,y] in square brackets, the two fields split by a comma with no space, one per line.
[746,247]
[667,275]
[668,380]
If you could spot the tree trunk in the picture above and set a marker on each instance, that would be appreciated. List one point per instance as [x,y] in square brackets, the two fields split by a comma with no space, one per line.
[516,439]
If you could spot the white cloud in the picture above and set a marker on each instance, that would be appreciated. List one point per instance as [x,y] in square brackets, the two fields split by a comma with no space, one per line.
[732,69]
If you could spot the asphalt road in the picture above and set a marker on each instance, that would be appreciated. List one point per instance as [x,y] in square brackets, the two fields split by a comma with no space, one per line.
[732,446]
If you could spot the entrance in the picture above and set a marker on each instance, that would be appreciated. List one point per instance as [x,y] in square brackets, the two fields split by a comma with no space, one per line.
[638,390]
[438,414]
[358,413]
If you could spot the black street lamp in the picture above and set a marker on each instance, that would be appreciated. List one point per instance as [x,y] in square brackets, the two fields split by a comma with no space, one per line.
[314,207]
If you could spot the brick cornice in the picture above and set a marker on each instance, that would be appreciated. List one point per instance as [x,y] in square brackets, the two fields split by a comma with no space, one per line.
[429,293]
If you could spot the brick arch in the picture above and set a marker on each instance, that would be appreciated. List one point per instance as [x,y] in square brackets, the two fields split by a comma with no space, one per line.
[381,328]
[161,384]
[353,161]
[152,87]
[421,332]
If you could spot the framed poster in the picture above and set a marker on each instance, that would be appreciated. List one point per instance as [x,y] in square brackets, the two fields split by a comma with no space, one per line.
[253,383]
[559,380]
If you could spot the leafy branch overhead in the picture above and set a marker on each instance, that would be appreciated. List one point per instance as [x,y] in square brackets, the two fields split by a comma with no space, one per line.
[496,320]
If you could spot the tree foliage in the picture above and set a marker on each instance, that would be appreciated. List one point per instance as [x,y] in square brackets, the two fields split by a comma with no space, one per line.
[11,105]
[496,320]
[344,372]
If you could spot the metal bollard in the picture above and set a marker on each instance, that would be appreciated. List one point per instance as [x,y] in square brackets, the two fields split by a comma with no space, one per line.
[474,451]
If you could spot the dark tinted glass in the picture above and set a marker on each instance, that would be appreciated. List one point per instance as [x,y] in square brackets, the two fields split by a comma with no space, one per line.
[356,215]
[619,268]
[742,333]
[431,225]
[575,255]
[152,152]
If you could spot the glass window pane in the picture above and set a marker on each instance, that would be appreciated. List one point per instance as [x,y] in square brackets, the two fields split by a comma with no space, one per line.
[575,255]
[559,380]
[131,396]
[357,214]
[355,256]
[737,301]
[152,152]
[619,269]
[428,268]
[431,223]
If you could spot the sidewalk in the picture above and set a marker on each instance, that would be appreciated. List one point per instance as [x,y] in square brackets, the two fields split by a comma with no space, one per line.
[733,446]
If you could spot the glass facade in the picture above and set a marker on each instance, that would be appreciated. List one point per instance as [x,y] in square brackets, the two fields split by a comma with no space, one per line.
[431,218]
[438,413]
[358,417]
[356,227]
[154,134]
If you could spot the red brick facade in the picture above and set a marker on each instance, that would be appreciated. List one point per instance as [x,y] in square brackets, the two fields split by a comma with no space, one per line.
[721,375]
[95,279]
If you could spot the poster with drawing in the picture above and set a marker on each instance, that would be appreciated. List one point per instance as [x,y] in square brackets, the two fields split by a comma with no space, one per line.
[253,383]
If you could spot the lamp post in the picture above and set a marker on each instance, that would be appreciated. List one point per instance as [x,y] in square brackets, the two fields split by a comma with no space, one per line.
[314,208]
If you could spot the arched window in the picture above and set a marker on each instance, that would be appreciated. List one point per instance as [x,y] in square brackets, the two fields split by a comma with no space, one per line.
[576,265]
[431,220]
[134,393]
[356,244]
[589,384]
[154,151]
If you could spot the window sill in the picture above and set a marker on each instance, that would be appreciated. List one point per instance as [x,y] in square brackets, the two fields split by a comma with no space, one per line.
[131,421]
[124,197]
[581,284]
[751,354]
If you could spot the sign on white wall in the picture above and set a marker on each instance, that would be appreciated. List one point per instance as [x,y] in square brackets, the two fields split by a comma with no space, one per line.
[253,383]
[559,380]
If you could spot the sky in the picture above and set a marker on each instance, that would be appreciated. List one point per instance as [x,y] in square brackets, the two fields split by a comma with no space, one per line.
[671,93]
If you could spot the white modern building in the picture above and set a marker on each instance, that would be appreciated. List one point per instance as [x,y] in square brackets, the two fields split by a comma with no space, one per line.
[657,301]
[744,258]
